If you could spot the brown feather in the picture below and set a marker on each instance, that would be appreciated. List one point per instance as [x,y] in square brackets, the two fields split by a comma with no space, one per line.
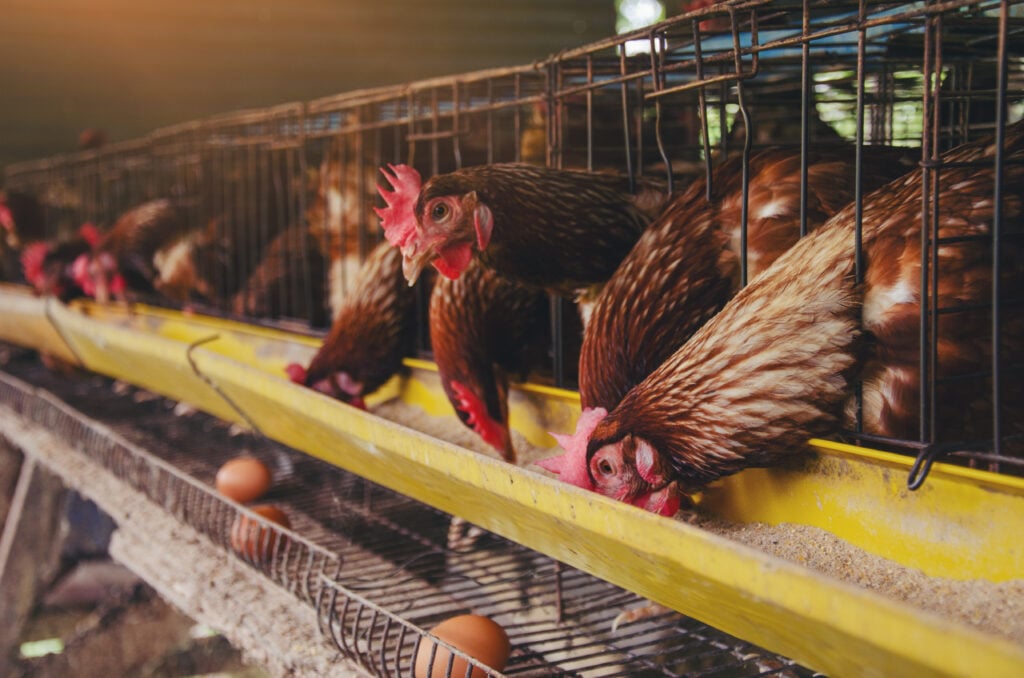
[561,230]
[373,331]
[775,366]
[484,328]
[139,234]
[341,194]
[686,265]
[289,280]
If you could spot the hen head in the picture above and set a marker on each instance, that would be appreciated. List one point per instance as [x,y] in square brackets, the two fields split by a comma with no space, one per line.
[628,469]
[437,224]
[473,412]
[337,385]
[98,277]
[631,470]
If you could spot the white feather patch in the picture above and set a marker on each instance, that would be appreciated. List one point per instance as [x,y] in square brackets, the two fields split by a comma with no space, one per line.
[879,299]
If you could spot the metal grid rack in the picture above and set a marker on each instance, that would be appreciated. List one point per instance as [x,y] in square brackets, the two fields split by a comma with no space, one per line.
[378,567]
[665,100]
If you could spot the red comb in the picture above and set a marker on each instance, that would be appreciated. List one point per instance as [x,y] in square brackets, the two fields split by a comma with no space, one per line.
[398,219]
[32,258]
[572,466]
[89,233]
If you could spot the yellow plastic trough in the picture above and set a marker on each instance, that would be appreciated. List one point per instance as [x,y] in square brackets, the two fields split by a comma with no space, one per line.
[961,524]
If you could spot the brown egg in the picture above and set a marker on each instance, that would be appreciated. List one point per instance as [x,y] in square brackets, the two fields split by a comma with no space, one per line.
[243,479]
[253,539]
[479,637]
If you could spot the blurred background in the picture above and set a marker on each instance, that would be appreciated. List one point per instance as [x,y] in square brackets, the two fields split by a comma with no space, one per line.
[127,67]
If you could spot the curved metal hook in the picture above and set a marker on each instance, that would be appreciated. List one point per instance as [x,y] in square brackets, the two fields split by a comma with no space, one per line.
[921,467]
[47,313]
[212,384]
[925,458]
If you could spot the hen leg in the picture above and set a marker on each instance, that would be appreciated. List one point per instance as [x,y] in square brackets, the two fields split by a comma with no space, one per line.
[638,614]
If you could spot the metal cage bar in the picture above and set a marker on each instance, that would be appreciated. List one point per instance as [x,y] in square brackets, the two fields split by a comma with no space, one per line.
[919,74]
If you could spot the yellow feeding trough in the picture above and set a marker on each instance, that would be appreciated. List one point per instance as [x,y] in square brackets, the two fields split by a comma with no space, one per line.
[961,530]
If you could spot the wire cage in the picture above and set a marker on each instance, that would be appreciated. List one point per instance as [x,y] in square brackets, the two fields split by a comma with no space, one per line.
[379,568]
[297,183]
[291,560]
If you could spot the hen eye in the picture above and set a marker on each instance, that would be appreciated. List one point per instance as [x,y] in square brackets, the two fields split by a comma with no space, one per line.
[439,211]
[605,467]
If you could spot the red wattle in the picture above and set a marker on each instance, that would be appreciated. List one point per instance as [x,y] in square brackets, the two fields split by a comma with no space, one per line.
[452,261]
[664,502]
[81,275]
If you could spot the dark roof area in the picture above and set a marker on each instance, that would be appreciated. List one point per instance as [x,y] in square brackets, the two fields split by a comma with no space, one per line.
[129,67]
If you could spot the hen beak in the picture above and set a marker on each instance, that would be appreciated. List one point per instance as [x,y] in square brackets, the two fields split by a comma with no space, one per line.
[414,262]
[664,502]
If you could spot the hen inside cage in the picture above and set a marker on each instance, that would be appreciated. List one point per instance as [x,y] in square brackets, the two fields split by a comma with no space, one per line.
[775,221]
[270,214]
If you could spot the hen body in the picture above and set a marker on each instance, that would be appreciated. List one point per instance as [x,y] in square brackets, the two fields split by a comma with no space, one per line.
[775,366]
[686,265]
[289,280]
[560,230]
[198,268]
[371,334]
[484,328]
[126,255]
[340,217]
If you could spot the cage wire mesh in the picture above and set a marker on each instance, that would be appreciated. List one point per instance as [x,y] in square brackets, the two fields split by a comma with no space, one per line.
[296,184]
[380,569]
[292,561]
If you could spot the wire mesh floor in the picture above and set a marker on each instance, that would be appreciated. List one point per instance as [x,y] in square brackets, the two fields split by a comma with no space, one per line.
[380,567]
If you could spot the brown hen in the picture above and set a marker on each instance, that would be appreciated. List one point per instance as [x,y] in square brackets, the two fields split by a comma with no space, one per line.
[289,280]
[560,230]
[687,263]
[482,329]
[125,259]
[371,334]
[776,366]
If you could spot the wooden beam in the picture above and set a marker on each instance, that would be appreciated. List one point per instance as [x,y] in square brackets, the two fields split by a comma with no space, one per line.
[29,552]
